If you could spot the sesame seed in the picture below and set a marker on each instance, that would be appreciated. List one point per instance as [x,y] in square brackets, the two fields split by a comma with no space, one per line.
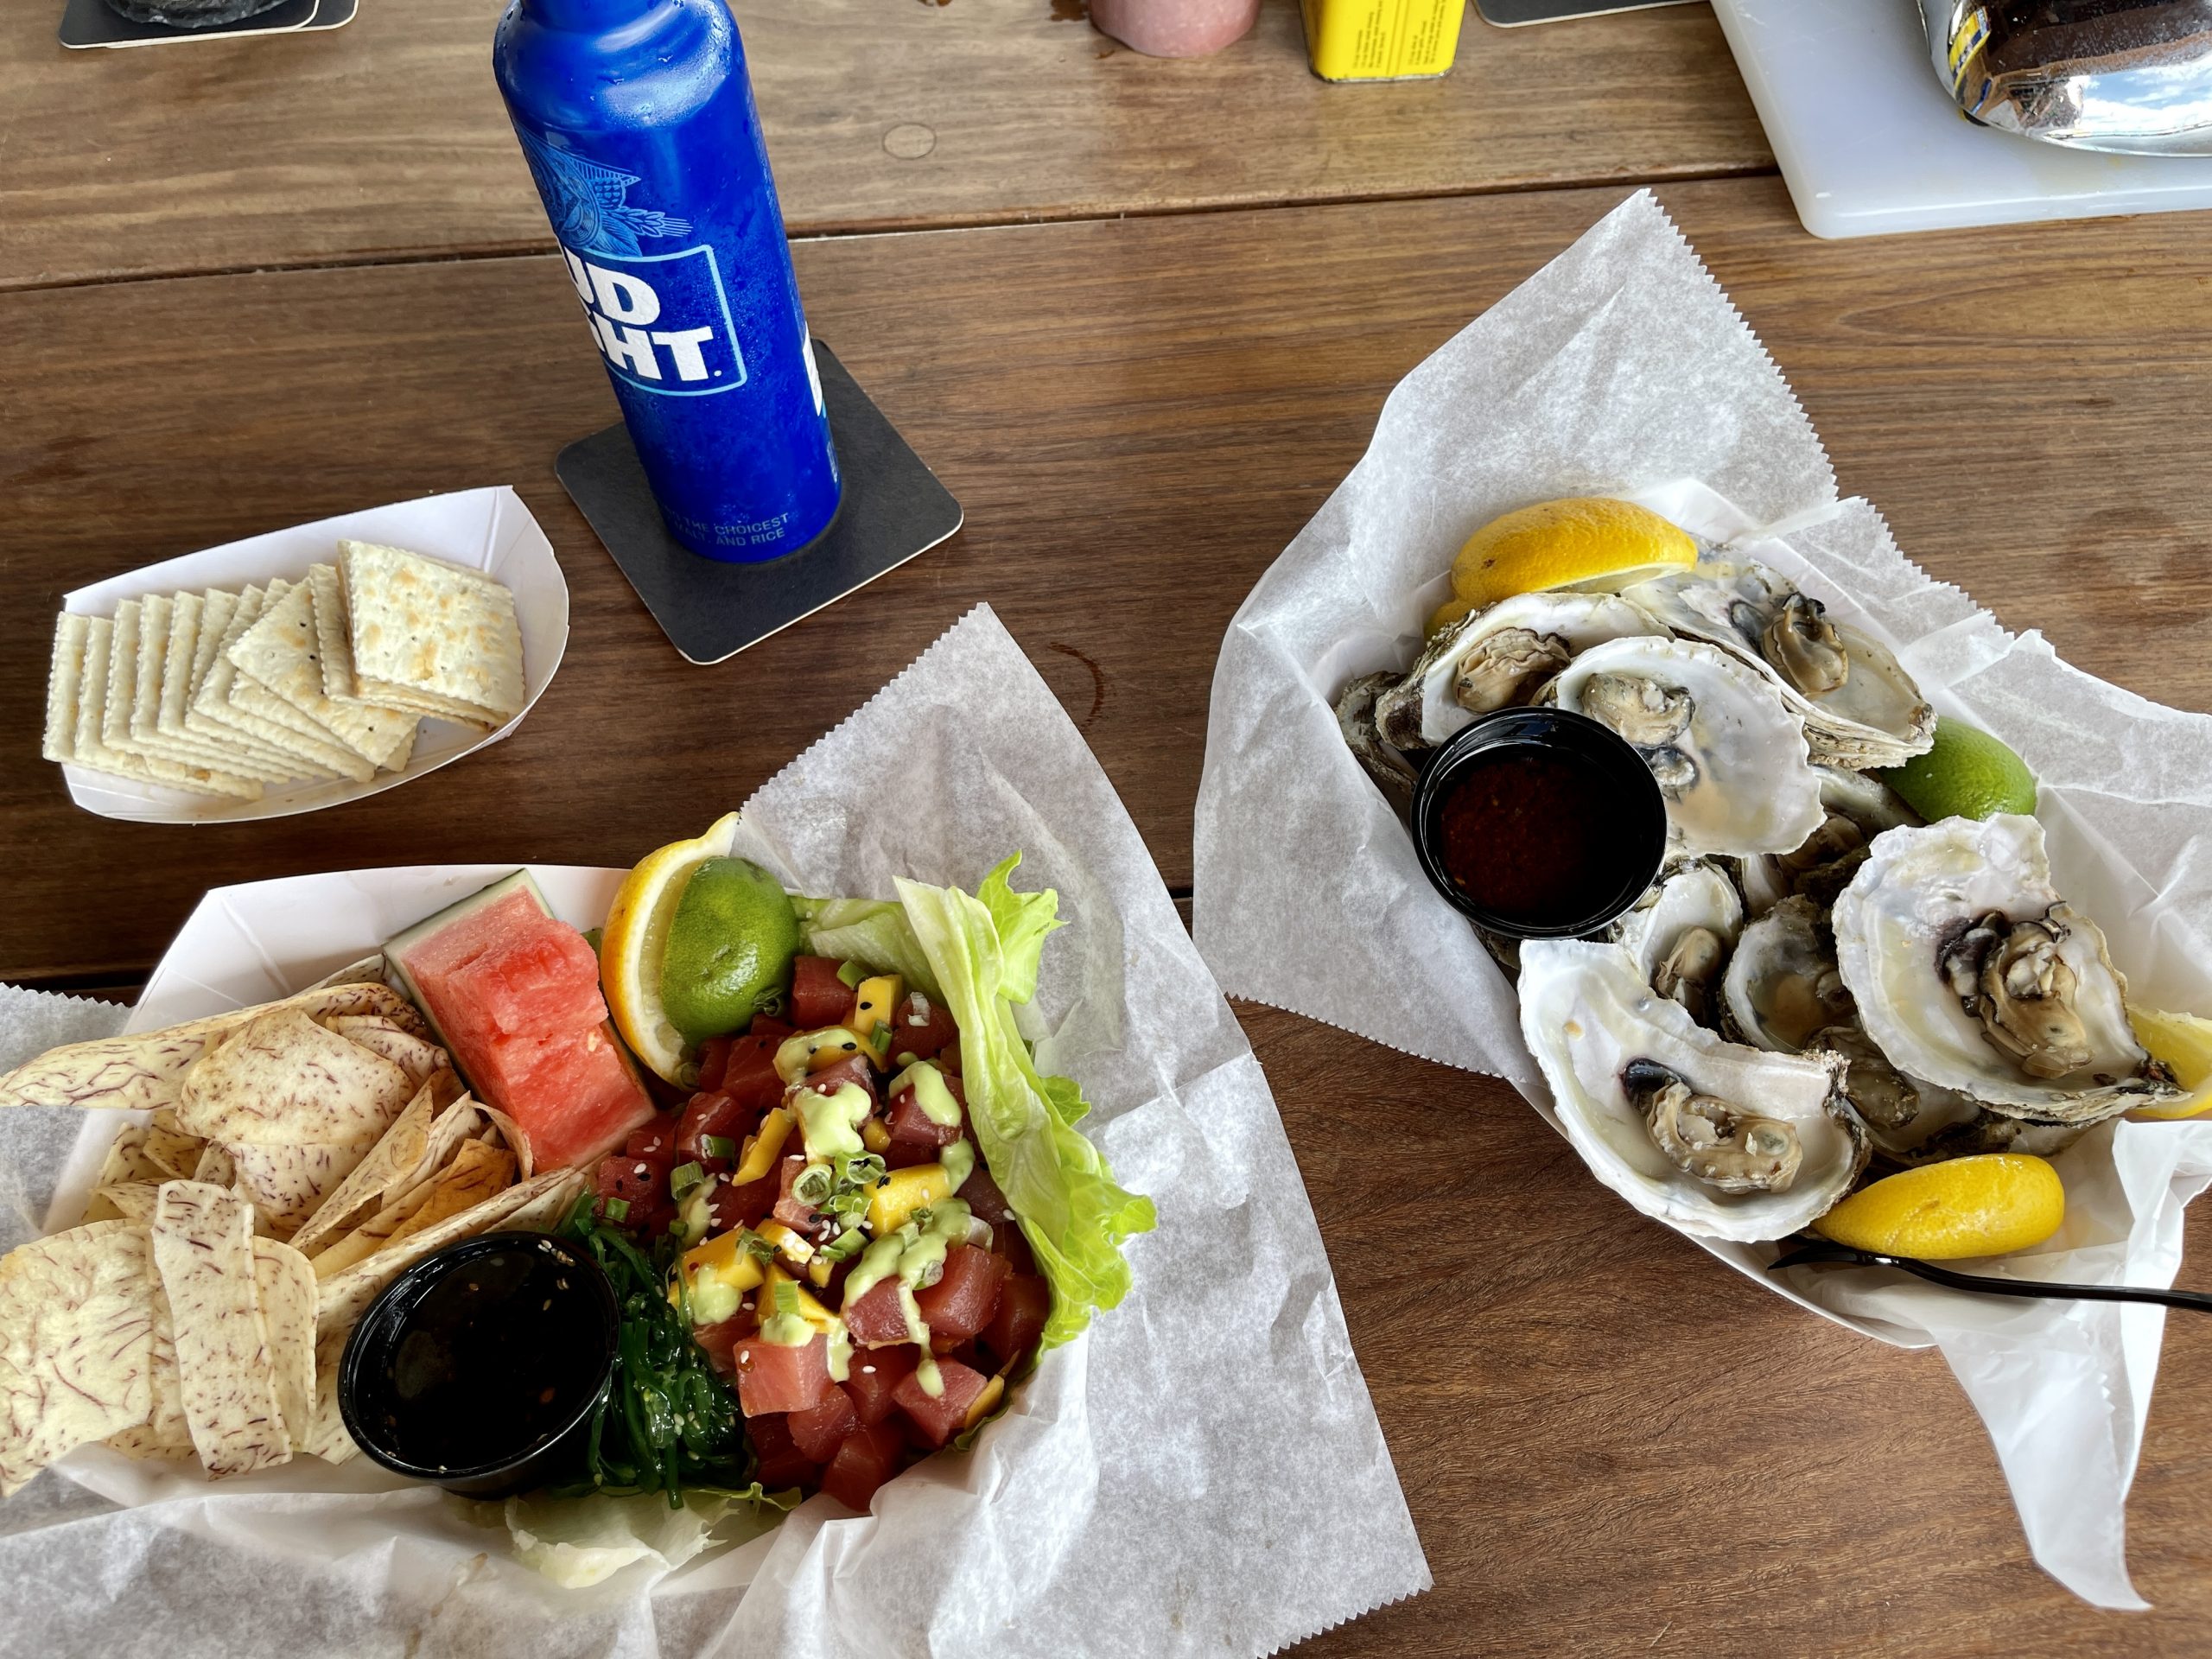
[868,1370]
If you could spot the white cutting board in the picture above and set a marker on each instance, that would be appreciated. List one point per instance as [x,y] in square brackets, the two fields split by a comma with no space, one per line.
[1870,144]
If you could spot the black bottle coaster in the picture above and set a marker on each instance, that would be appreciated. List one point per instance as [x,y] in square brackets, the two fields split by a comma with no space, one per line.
[94,24]
[893,508]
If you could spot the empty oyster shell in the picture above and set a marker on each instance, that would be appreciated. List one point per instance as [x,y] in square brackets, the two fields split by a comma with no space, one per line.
[1729,757]
[1971,972]
[1861,708]
[1680,933]
[1391,771]
[1689,1127]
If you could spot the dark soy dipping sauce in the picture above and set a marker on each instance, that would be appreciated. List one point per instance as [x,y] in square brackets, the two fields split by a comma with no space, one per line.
[492,1359]
[1533,835]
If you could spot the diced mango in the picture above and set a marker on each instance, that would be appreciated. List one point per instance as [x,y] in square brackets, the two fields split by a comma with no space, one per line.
[718,1262]
[815,1051]
[906,1191]
[872,1007]
[789,1244]
[876,1137]
[762,1150]
[987,1402]
[808,1309]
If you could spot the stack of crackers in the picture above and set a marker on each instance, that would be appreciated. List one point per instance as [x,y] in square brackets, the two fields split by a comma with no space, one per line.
[300,1155]
[222,693]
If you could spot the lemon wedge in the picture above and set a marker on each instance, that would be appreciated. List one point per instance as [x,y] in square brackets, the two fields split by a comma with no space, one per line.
[1987,1205]
[1584,543]
[2183,1041]
[634,938]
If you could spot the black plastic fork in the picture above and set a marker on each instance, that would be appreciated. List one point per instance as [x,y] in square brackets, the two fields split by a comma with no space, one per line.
[1820,1252]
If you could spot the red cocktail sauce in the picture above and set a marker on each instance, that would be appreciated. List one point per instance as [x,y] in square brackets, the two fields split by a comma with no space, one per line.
[1530,834]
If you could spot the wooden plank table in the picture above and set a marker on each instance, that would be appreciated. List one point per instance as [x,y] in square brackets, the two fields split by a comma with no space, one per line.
[1609,1443]
[385,140]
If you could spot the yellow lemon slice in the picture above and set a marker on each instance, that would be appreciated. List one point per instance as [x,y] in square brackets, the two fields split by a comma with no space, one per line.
[1983,1206]
[1444,615]
[634,938]
[1586,544]
[2183,1041]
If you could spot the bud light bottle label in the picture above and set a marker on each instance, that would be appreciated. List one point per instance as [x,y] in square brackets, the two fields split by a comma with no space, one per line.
[636,121]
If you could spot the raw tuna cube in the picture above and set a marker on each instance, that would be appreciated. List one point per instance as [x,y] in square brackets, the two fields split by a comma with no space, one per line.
[749,1075]
[1025,1302]
[778,1461]
[867,1459]
[962,1302]
[829,1080]
[818,997]
[927,1040]
[909,1124]
[876,1320]
[875,1372]
[821,1429]
[771,1377]
[937,1420]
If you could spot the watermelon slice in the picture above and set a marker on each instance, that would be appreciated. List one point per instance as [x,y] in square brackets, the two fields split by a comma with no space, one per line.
[514,996]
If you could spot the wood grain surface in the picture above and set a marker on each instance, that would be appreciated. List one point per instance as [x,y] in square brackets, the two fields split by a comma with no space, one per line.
[1613,1445]
[1136,416]
[386,139]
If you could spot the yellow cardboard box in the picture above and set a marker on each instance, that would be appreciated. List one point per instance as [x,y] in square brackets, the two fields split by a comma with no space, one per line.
[1380,40]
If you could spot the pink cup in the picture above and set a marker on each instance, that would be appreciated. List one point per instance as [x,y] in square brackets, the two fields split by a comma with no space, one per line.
[1175,28]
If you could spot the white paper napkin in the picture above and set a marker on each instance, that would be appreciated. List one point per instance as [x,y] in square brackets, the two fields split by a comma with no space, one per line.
[1621,368]
[1201,1473]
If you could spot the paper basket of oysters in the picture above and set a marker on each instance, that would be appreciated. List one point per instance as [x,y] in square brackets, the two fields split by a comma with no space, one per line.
[1821,983]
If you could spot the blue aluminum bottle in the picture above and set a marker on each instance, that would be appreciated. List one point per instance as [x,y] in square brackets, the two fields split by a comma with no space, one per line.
[637,120]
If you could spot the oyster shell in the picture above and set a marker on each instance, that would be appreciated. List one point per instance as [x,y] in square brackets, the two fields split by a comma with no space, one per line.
[1392,773]
[1859,807]
[1972,973]
[1680,933]
[1729,757]
[1861,708]
[1782,989]
[1719,1139]
[1497,657]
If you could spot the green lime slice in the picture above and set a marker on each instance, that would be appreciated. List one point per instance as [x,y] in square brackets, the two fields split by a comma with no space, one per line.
[730,944]
[1969,774]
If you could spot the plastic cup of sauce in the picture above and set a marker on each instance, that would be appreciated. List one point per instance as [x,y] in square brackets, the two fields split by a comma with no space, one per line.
[480,1367]
[1539,824]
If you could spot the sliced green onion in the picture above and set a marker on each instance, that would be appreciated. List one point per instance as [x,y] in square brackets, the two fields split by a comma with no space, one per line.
[685,1179]
[717,1146]
[814,1185]
[787,1296]
[616,1209]
[850,974]
[846,1245]
[755,1246]
[880,1039]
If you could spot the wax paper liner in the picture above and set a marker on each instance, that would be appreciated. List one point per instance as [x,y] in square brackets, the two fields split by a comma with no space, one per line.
[1622,369]
[1201,1473]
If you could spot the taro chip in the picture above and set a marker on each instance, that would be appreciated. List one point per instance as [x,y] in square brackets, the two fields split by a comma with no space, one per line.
[478,1171]
[282,1080]
[517,1142]
[203,1250]
[134,1073]
[327,1437]
[393,1159]
[285,1290]
[130,1201]
[125,1165]
[287,1185]
[216,1166]
[173,1152]
[418,1056]
[164,1433]
[76,1343]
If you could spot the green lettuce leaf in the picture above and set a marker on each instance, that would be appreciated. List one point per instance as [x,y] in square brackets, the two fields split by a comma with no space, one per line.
[871,931]
[984,950]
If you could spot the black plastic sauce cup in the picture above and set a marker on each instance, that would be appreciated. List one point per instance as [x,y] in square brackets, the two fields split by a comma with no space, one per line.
[480,1367]
[1618,829]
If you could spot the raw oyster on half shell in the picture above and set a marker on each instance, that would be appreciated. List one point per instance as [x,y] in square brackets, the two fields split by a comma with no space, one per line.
[1718,1139]
[1861,708]
[1971,972]
[1681,934]
[1497,658]
[1730,758]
